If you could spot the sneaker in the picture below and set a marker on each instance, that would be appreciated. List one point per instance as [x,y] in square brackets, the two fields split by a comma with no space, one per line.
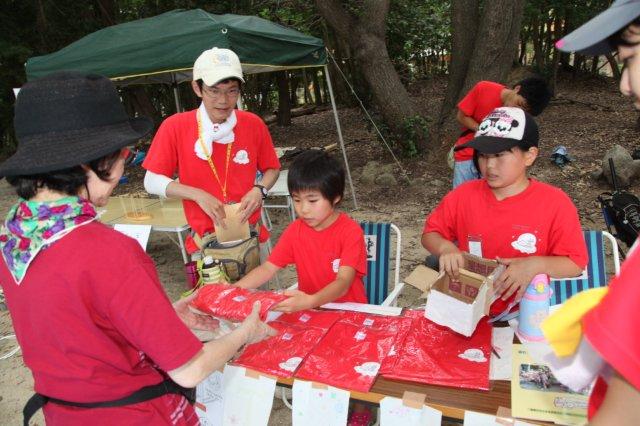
[360,419]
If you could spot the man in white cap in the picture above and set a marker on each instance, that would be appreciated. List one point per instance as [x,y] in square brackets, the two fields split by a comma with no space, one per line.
[610,329]
[216,150]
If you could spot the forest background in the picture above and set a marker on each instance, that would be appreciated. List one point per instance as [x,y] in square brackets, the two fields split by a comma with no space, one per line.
[381,46]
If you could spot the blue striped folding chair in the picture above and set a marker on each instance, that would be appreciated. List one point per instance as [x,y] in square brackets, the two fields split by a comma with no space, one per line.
[595,275]
[377,239]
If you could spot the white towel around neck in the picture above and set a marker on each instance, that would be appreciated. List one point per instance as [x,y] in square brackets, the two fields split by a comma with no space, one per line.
[221,133]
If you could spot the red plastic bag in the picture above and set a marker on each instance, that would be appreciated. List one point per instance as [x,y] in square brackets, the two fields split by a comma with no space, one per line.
[233,303]
[436,355]
[349,356]
[312,318]
[281,355]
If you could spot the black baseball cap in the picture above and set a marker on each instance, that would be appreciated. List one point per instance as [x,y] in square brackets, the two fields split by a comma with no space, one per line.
[592,38]
[503,129]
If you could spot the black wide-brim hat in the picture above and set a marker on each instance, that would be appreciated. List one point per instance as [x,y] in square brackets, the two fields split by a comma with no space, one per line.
[67,119]
[592,38]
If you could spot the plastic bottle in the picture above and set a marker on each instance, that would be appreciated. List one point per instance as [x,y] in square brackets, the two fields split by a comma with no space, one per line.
[212,271]
[534,308]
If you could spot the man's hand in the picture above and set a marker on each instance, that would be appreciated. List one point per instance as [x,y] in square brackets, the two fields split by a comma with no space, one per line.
[255,329]
[519,273]
[191,319]
[212,207]
[249,203]
[298,301]
[451,260]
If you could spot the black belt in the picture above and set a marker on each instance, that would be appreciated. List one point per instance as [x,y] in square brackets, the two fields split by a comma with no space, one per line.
[37,401]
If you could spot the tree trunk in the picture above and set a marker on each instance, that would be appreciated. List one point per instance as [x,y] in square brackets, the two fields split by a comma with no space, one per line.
[614,66]
[464,22]
[496,42]
[294,80]
[284,108]
[316,88]
[365,35]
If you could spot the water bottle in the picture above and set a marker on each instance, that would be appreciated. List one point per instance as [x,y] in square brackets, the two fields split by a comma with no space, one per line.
[534,308]
[211,271]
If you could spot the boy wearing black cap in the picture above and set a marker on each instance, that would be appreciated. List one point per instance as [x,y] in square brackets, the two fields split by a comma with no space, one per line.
[611,327]
[529,226]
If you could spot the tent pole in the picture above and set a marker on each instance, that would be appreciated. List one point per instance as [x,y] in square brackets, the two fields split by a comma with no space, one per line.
[176,95]
[344,151]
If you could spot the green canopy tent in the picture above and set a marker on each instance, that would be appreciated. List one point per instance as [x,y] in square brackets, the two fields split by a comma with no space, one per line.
[163,48]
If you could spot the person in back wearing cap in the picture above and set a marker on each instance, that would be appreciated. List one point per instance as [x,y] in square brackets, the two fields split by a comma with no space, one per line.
[527,225]
[215,149]
[609,325]
[97,331]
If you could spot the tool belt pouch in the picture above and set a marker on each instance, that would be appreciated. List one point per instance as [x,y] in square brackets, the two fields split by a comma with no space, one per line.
[238,258]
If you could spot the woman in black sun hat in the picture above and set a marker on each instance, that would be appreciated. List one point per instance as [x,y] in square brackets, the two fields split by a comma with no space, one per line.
[100,336]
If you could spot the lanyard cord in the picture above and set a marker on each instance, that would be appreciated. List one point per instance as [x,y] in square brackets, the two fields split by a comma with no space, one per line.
[213,167]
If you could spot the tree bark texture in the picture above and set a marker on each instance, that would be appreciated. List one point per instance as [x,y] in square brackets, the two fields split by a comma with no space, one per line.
[365,35]
[464,20]
[493,52]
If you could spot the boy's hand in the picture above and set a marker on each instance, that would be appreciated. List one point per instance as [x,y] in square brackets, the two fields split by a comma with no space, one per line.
[298,301]
[451,260]
[517,276]
[191,319]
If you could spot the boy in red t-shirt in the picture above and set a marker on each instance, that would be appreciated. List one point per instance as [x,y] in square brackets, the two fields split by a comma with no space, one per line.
[326,245]
[529,226]
[530,94]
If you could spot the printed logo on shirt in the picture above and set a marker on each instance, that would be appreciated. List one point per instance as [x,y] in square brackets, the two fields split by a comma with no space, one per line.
[335,264]
[291,364]
[525,243]
[241,157]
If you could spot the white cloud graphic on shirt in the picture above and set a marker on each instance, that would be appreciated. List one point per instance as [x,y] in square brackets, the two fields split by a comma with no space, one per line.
[526,243]
[241,157]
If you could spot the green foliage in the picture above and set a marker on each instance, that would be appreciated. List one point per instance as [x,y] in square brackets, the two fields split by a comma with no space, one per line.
[419,35]
[415,131]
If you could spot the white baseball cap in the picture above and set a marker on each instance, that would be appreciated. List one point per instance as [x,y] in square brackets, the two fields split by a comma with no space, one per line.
[215,65]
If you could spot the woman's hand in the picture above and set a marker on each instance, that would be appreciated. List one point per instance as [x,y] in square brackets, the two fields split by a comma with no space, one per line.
[191,319]
[255,330]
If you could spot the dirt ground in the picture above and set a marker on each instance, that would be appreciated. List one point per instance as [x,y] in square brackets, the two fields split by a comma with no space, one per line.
[587,116]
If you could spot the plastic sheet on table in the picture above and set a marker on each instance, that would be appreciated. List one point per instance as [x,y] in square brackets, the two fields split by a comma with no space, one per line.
[281,355]
[433,354]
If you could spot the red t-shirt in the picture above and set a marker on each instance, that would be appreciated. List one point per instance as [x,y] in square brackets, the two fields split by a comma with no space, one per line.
[483,98]
[318,255]
[172,149]
[612,328]
[540,221]
[92,320]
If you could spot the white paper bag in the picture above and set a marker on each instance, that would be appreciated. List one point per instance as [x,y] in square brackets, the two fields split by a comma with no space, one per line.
[319,407]
[393,412]
[247,398]
[209,398]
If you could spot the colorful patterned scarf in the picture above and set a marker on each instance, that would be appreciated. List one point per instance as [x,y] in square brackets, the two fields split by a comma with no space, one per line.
[31,226]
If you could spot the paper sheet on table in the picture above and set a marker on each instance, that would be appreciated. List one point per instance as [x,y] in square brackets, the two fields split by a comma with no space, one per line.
[393,412]
[247,400]
[140,233]
[313,406]
[501,340]
[235,231]
[364,307]
[209,398]
[472,418]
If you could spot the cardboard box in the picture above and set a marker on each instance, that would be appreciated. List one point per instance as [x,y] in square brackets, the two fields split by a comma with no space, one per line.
[458,305]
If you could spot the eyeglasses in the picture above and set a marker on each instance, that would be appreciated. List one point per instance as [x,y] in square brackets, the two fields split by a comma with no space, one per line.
[215,93]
